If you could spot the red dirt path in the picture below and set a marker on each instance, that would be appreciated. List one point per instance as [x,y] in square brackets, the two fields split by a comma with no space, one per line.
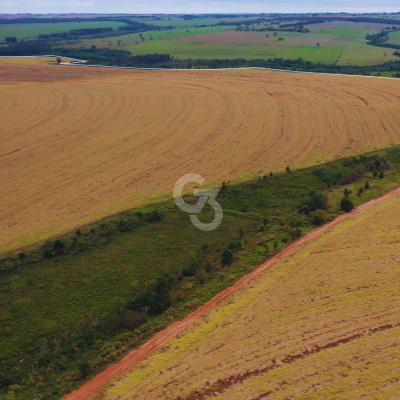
[93,386]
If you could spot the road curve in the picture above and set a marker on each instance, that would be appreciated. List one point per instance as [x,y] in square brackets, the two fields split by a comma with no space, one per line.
[94,385]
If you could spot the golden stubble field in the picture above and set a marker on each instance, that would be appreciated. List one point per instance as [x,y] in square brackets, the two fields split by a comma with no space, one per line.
[322,323]
[77,144]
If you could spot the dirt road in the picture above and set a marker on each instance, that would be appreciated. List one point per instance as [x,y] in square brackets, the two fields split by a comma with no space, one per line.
[94,385]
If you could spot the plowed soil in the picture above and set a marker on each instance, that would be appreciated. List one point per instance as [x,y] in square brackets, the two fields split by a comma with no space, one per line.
[81,143]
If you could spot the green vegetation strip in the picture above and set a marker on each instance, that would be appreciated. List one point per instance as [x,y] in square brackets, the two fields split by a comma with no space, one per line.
[80,302]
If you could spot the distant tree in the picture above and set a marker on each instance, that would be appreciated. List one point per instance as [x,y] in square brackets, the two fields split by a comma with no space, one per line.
[346,205]
[375,174]
[366,186]
[288,170]
[11,39]
[361,190]
[241,232]
[271,174]
[381,175]
[346,192]
[275,245]
[119,42]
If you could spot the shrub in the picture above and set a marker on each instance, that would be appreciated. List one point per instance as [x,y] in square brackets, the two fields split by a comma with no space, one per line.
[84,368]
[22,257]
[361,190]
[47,250]
[346,192]
[132,319]
[78,232]
[346,205]
[381,175]
[319,217]
[235,245]
[317,201]
[288,170]
[154,216]
[227,257]
[351,177]
[366,186]
[192,267]
[328,175]
[59,247]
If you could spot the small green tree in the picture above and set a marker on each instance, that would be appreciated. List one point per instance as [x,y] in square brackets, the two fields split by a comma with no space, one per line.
[227,257]
[375,174]
[346,193]
[21,257]
[346,205]
[59,247]
[84,368]
[361,190]
[381,175]
[288,170]
[366,186]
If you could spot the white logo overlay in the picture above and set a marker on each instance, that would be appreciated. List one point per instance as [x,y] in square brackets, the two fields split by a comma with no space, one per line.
[206,195]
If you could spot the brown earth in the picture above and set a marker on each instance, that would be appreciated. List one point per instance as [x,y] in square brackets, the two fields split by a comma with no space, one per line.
[79,143]
[319,320]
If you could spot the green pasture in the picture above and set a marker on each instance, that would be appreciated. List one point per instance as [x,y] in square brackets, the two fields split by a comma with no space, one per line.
[22,31]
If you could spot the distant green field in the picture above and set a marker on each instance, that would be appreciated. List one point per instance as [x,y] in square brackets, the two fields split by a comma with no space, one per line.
[394,38]
[181,23]
[22,31]
[342,42]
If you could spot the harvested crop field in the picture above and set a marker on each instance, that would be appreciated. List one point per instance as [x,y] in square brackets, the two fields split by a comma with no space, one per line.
[322,323]
[81,143]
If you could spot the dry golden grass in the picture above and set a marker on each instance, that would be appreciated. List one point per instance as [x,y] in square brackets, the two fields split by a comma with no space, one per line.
[80,143]
[323,323]
[28,60]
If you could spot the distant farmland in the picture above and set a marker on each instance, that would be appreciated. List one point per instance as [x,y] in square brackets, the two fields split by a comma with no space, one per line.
[81,143]
[22,31]
[322,323]
[340,41]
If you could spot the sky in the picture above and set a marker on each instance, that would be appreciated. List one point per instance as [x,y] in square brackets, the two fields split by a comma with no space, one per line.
[195,6]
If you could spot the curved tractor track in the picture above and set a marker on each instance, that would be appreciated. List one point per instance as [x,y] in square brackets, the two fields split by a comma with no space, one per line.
[78,144]
[161,340]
